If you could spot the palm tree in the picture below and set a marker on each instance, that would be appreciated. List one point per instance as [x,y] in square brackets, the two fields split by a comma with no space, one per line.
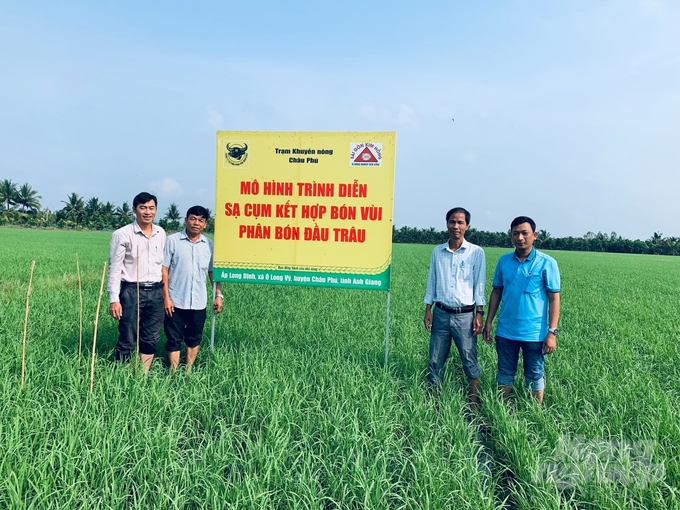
[74,208]
[124,211]
[8,193]
[107,209]
[27,197]
[173,214]
[656,238]
[93,206]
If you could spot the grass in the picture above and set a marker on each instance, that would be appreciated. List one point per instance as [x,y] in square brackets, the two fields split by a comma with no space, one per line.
[294,409]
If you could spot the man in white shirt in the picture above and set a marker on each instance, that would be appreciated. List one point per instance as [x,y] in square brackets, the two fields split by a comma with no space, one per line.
[455,286]
[136,252]
[188,260]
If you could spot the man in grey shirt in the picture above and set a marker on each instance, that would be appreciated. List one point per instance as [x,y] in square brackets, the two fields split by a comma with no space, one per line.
[187,261]
[135,261]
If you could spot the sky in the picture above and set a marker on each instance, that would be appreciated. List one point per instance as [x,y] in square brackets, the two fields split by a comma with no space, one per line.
[568,112]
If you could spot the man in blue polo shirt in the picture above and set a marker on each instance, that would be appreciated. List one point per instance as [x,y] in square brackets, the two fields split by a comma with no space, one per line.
[527,282]
[187,261]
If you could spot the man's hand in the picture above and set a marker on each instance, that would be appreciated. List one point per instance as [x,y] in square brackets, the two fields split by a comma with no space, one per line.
[477,325]
[550,343]
[116,310]
[218,304]
[427,321]
[169,306]
[487,333]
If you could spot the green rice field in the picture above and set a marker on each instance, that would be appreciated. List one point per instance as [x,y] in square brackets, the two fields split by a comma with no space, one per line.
[295,408]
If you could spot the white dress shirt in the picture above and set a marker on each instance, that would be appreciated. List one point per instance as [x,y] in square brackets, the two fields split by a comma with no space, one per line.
[123,257]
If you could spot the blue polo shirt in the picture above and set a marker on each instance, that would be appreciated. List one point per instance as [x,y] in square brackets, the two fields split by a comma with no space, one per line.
[524,302]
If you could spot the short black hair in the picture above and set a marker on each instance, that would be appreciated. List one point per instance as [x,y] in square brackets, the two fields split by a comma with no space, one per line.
[458,210]
[198,210]
[143,198]
[523,219]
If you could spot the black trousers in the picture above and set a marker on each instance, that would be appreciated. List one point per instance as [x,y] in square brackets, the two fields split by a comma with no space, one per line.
[151,314]
[184,326]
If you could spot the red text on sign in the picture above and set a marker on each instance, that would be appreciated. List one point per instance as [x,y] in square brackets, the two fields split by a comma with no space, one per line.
[254,231]
[278,188]
[350,235]
[353,190]
[315,189]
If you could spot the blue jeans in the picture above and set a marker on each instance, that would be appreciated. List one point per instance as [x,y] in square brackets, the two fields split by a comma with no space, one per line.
[508,356]
[446,326]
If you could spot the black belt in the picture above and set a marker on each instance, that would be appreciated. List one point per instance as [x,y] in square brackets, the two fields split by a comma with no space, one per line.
[460,309]
[144,285]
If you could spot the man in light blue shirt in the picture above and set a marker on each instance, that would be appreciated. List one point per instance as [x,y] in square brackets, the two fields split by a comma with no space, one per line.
[527,282]
[187,261]
[455,286]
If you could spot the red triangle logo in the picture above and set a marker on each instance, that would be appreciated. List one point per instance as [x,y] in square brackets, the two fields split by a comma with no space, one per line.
[365,156]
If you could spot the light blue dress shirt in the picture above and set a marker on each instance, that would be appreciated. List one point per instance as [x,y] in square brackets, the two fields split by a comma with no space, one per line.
[188,265]
[524,301]
[456,278]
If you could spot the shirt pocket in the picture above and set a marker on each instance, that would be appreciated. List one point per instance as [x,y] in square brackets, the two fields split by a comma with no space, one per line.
[534,283]
[156,254]
[203,260]
[465,271]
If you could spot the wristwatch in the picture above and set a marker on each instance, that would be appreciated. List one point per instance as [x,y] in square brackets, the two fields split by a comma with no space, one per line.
[554,331]
[480,312]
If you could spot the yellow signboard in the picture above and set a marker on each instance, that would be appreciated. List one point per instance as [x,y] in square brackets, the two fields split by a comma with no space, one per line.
[302,208]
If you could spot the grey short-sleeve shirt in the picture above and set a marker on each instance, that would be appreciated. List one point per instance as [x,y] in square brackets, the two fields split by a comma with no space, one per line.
[188,265]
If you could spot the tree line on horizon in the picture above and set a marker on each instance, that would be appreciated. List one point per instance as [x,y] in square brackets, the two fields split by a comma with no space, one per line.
[612,243]
[20,206]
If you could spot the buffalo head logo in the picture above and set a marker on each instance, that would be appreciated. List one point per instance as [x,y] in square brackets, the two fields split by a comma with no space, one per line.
[236,153]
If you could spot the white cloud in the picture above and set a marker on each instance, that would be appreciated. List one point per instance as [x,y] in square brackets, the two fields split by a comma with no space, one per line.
[470,157]
[655,8]
[372,112]
[407,117]
[544,23]
[168,188]
[215,119]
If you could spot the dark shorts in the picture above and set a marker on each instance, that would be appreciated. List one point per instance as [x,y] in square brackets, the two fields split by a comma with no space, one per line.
[184,326]
[151,315]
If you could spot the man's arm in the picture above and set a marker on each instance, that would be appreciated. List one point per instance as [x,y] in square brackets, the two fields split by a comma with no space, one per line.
[479,285]
[218,304]
[550,342]
[116,256]
[167,302]
[427,320]
[429,294]
[494,302]
[168,252]
[478,322]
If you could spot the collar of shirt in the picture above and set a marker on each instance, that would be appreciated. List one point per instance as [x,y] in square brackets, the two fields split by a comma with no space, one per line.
[137,229]
[183,235]
[463,246]
[530,257]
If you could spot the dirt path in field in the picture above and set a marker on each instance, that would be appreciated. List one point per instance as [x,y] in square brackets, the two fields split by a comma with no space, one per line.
[489,463]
